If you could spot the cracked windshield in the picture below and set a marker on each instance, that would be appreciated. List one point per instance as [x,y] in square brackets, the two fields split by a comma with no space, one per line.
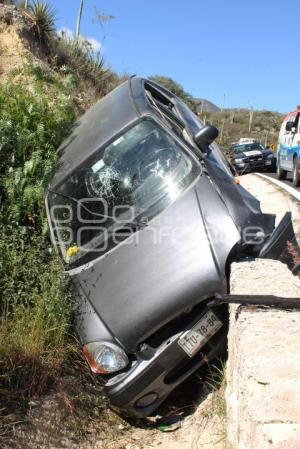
[138,175]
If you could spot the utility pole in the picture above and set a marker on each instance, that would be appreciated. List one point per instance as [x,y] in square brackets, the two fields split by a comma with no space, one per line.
[250,119]
[266,137]
[202,106]
[224,101]
[79,17]
[222,131]
[232,115]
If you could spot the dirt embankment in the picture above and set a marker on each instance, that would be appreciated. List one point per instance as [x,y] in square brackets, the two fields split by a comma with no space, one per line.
[83,421]
[17,42]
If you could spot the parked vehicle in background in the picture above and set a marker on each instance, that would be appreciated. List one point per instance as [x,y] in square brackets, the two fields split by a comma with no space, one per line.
[147,218]
[248,155]
[288,155]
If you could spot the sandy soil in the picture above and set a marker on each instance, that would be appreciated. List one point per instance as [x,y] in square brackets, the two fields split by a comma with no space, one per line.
[12,51]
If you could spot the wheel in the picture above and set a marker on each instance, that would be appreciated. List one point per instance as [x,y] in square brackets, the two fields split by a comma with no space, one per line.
[274,166]
[296,174]
[281,174]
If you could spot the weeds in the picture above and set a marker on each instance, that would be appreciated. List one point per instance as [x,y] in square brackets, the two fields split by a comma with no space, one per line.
[77,57]
[216,383]
[35,303]
[35,321]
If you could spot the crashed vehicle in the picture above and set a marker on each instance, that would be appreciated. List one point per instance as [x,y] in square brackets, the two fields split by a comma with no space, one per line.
[147,217]
[248,155]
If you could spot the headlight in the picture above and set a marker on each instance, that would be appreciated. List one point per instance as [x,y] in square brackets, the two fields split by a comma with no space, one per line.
[270,156]
[239,161]
[104,357]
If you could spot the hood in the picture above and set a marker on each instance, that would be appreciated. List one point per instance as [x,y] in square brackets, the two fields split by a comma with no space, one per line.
[251,153]
[162,270]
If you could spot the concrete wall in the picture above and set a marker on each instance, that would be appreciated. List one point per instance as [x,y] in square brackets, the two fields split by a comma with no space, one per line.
[263,372]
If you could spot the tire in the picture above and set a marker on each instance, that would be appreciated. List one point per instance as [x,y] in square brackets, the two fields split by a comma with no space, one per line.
[281,174]
[296,173]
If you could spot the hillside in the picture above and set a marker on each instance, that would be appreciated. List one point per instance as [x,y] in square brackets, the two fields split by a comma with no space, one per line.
[234,124]
[203,105]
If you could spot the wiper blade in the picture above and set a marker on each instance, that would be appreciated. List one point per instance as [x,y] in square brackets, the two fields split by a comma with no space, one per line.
[138,224]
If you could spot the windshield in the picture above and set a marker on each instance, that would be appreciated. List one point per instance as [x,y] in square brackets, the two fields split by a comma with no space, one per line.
[134,179]
[247,147]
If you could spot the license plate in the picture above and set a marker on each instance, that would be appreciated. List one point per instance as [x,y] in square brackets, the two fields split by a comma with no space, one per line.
[192,340]
[268,162]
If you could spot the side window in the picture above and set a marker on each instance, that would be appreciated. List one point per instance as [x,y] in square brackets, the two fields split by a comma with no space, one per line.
[166,109]
[282,129]
[193,122]
[297,123]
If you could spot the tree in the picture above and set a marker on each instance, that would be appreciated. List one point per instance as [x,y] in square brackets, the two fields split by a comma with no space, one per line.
[102,19]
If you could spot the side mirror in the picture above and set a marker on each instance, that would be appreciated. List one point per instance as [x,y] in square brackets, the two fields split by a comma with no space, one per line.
[205,137]
[289,126]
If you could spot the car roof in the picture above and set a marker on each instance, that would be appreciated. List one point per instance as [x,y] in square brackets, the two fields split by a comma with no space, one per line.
[100,124]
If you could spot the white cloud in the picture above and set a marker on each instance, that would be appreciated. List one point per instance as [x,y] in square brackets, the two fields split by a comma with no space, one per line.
[95,45]
[65,32]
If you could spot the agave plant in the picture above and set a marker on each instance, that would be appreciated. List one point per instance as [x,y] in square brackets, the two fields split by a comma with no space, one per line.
[42,18]
[79,17]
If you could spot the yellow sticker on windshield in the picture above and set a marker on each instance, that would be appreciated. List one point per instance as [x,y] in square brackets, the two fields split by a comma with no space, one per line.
[72,251]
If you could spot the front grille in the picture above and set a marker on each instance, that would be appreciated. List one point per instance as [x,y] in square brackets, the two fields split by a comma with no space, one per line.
[255,159]
[175,326]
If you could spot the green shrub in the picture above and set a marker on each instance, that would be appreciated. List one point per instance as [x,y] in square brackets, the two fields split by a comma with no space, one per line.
[32,125]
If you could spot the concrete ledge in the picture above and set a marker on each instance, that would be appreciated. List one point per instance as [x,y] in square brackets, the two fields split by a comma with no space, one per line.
[263,371]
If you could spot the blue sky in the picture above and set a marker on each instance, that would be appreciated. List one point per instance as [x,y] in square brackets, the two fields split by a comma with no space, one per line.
[247,51]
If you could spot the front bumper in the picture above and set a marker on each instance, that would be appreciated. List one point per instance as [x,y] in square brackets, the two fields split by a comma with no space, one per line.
[260,164]
[157,371]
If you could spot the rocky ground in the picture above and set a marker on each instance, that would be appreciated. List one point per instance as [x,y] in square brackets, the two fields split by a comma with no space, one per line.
[79,418]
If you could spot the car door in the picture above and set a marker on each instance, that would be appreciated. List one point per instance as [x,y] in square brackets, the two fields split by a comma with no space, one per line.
[282,149]
[288,136]
[291,139]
